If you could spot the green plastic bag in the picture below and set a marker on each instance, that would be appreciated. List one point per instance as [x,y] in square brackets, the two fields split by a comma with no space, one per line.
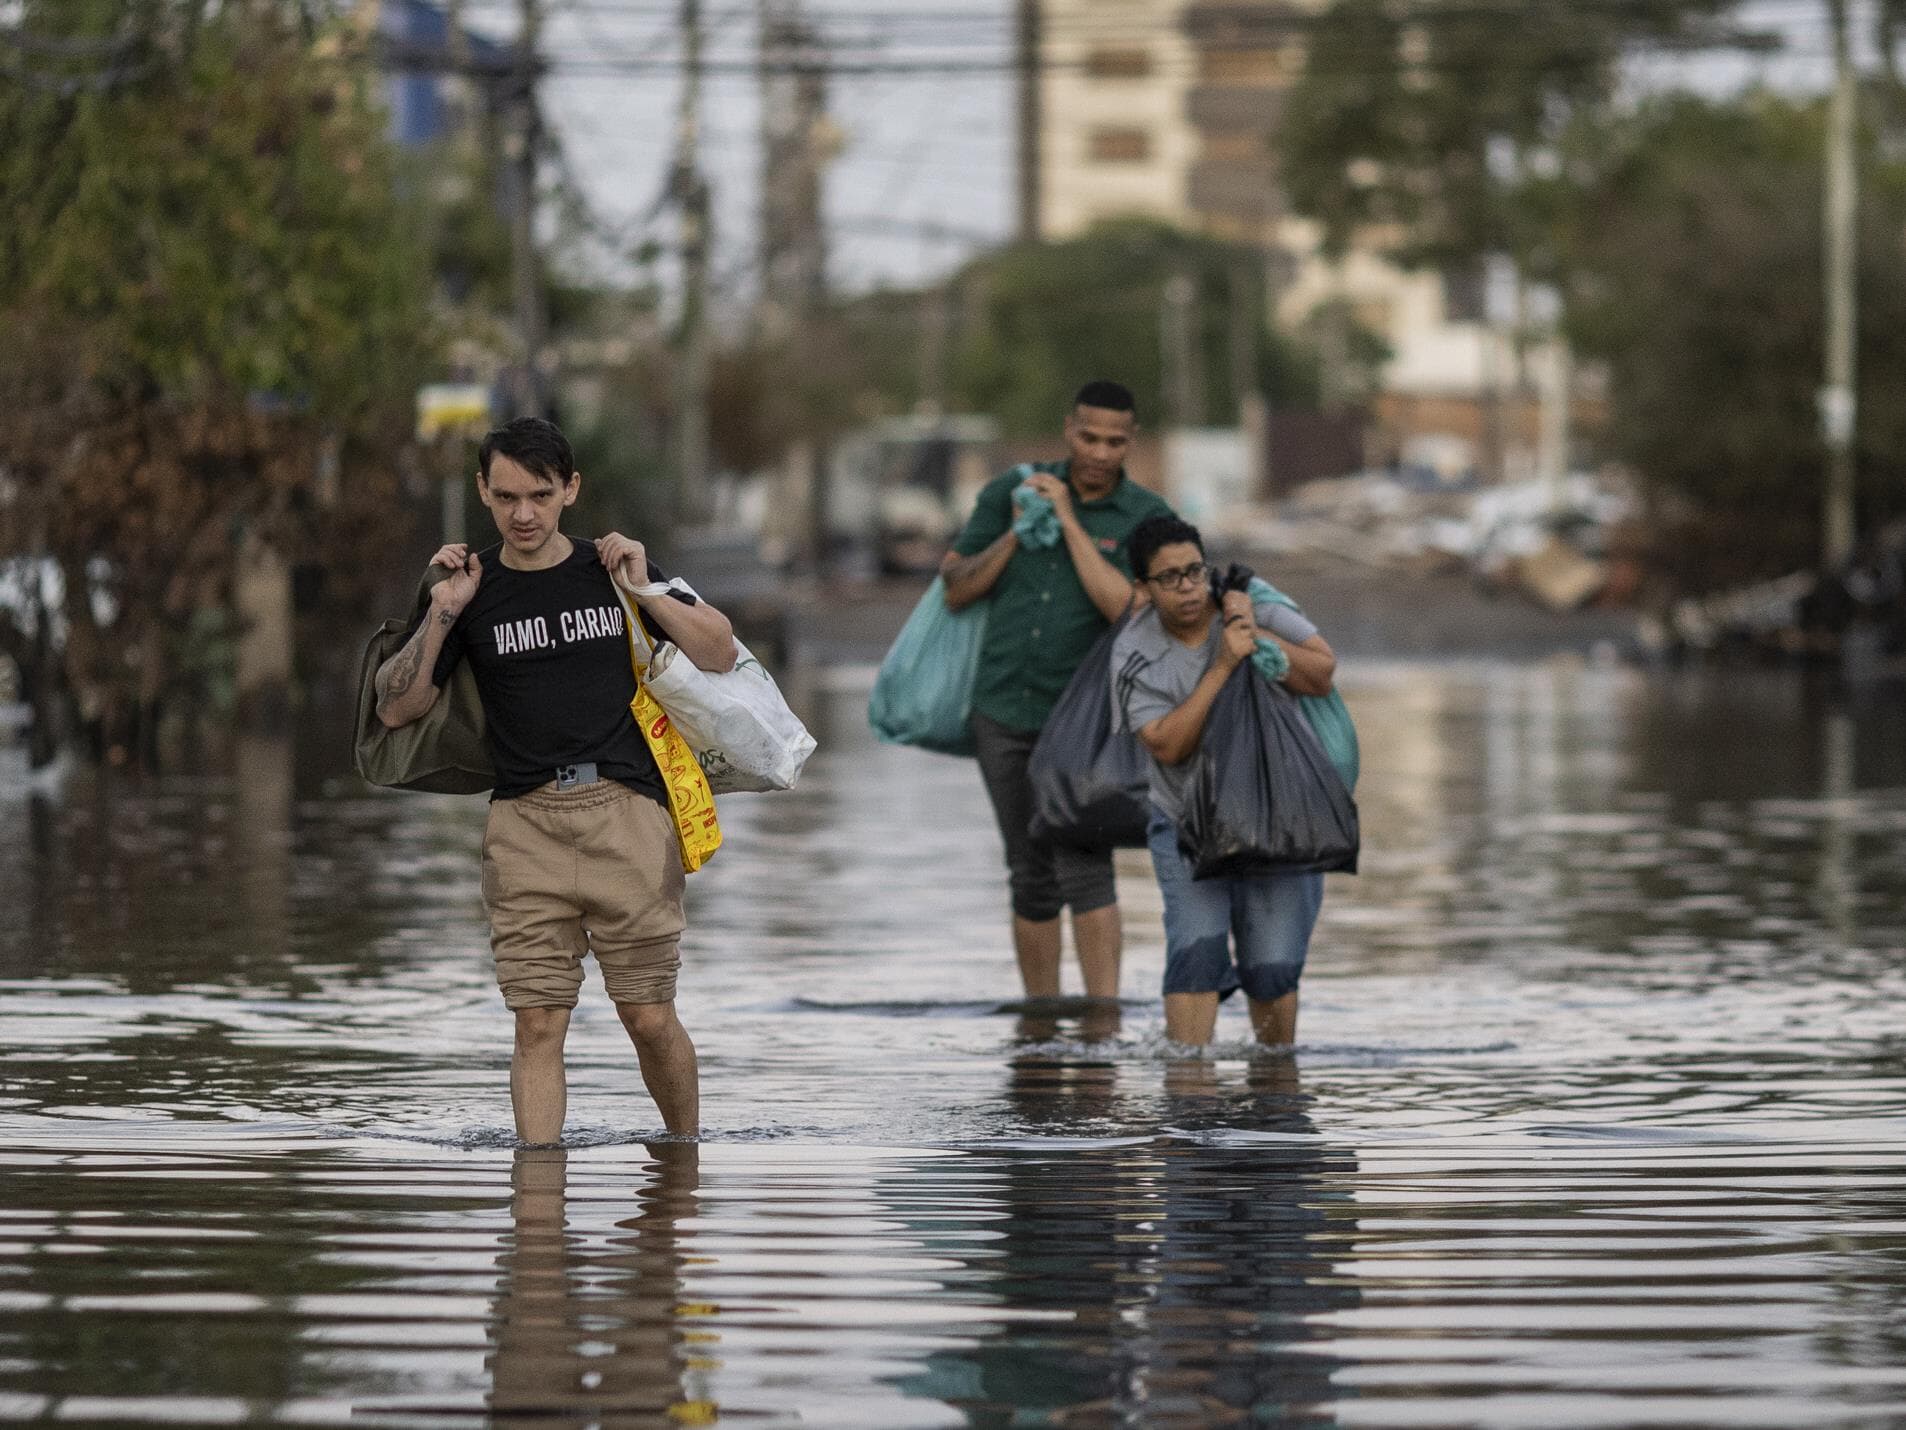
[924,693]
[1329,717]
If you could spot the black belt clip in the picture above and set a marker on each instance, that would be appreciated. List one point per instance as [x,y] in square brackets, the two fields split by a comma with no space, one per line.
[573,776]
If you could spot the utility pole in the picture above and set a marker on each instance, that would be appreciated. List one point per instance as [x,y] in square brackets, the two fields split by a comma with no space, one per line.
[690,191]
[521,134]
[1030,41]
[456,41]
[1247,318]
[1554,369]
[935,320]
[1180,351]
[794,150]
[796,146]
[1838,404]
[1555,377]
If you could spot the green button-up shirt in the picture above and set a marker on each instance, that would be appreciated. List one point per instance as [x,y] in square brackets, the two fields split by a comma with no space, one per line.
[1042,622]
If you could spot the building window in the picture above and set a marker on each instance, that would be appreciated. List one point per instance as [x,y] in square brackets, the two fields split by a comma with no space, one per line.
[1109,62]
[1466,293]
[1246,66]
[1120,146]
[1227,148]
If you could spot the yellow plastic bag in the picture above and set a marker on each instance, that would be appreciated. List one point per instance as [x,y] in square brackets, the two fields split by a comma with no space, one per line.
[690,800]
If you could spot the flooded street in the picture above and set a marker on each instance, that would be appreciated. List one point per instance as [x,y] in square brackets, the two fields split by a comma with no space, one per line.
[1598,1118]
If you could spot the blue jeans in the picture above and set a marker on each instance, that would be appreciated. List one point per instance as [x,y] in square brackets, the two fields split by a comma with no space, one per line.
[1269,918]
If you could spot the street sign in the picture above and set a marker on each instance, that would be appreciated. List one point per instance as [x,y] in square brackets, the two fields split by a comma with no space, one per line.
[447,408]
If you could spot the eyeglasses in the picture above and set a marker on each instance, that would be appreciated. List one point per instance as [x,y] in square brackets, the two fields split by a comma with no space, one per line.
[1184,576]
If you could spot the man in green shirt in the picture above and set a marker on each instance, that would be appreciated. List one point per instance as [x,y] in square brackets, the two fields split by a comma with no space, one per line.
[1049,606]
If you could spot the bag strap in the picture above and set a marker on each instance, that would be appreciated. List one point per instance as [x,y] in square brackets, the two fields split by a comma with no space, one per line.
[641,648]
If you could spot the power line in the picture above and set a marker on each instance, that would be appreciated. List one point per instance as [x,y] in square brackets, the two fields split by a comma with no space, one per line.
[633,67]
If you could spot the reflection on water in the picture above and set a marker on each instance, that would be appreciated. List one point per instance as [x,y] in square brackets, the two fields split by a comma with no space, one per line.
[1600,1120]
[591,1320]
[1164,1281]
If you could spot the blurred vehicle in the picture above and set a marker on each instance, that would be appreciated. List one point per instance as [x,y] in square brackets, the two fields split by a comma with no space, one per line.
[900,488]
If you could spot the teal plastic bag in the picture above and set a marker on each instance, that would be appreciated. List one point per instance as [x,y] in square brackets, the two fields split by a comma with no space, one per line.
[1037,524]
[1329,717]
[1270,660]
[923,695]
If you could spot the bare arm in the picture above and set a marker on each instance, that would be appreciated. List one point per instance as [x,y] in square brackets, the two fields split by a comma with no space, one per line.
[1107,587]
[1173,738]
[701,632]
[971,578]
[1313,663]
[405,689]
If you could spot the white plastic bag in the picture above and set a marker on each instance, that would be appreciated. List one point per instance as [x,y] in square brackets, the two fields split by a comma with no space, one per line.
[744,736]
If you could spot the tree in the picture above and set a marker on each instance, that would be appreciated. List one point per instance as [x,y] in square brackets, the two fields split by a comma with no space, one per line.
[1694,252]
[215,320]
[1431,123]
[1682,236]
[1042,318]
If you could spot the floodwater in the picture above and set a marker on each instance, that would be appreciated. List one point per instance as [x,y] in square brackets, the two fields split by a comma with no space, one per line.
[1598,1118]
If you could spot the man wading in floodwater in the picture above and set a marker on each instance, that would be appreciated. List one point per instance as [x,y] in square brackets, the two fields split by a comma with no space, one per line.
[580,854]
[1049,606]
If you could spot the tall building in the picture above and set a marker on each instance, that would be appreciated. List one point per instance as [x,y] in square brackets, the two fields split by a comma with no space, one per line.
[1247,55]
[1170,109]
[1111,134]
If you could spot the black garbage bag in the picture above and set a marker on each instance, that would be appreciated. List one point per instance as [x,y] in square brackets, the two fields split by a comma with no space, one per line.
[1264,796]
[1089,785]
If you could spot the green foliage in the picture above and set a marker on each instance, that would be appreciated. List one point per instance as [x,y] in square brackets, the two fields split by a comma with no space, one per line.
[216,313]
[1040,319]
[1024,328]
[449,187]
[1696,259]
[1682,234]
[627,483]
[226,225]
[1431,119]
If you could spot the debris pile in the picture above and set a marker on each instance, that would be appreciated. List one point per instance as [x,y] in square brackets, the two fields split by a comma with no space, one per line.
[1562,544]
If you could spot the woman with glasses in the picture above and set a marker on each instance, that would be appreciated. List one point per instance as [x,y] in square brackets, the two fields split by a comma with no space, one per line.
[1168,666]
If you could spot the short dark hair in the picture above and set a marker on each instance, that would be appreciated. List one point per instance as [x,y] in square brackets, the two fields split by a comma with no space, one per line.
[1155,533]
[534,444]
[1112,396]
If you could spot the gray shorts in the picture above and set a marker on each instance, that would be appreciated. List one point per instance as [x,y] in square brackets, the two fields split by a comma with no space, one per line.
[1045,878]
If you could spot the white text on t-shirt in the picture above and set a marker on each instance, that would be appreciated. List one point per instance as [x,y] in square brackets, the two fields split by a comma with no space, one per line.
[586,623]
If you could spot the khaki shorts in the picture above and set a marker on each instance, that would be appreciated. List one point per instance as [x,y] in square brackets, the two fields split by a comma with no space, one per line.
[572,872]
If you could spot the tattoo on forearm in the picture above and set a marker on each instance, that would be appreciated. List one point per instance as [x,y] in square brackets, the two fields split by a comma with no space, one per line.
[398,677]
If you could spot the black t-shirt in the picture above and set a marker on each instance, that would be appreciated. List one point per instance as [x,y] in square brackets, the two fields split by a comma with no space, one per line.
[551,656]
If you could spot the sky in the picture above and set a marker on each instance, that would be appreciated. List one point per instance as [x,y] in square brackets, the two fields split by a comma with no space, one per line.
[917,148]
[921,150]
